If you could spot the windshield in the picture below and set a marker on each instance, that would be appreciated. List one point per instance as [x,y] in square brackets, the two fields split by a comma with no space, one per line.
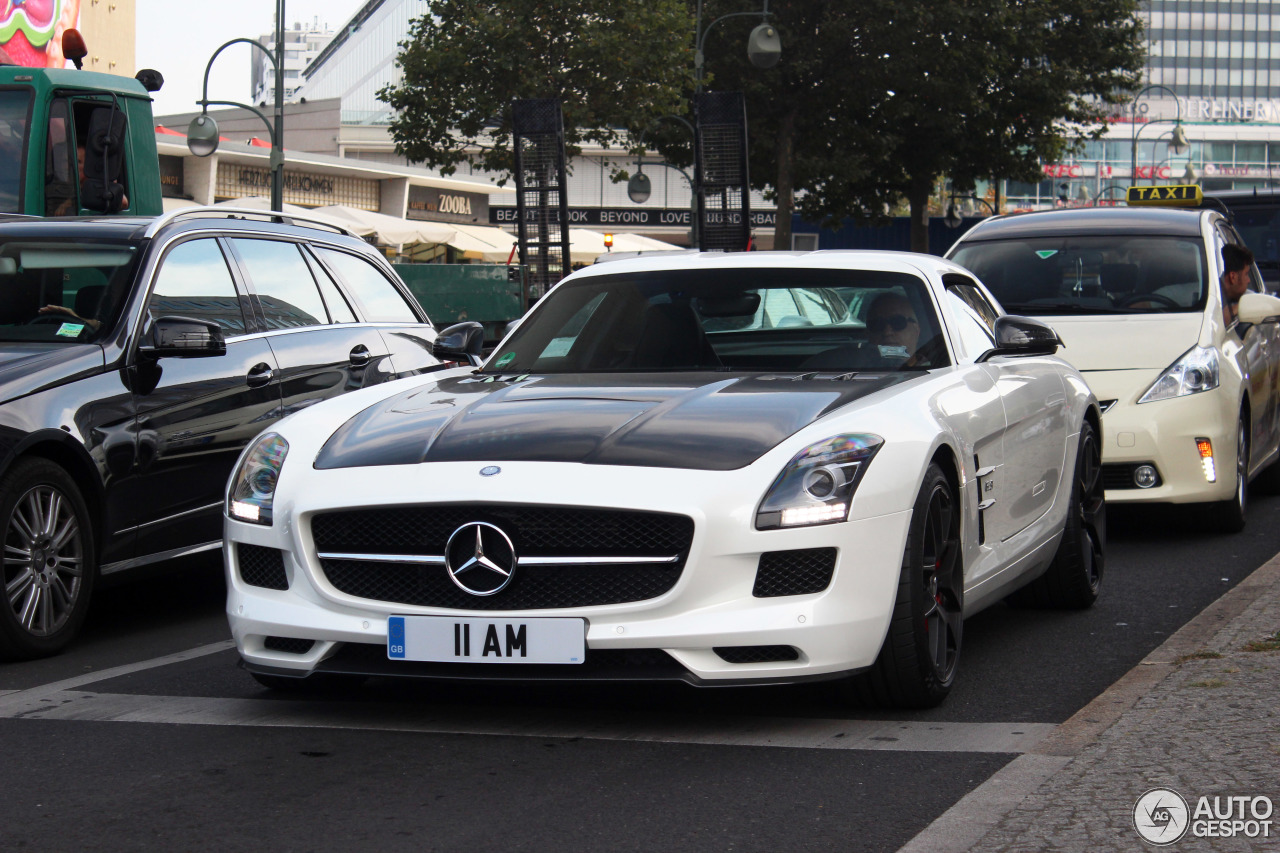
[729,319]
[62,291]
[1115,274]
[14,108]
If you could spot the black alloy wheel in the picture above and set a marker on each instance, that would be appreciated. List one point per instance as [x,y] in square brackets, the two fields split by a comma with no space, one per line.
[917,663]
[48,567]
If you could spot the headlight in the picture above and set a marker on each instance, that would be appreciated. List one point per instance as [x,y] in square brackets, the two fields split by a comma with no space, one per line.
[1196,371]
[253,488]
[817,485]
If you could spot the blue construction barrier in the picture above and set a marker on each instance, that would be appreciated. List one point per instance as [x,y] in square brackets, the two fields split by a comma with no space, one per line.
[896,236]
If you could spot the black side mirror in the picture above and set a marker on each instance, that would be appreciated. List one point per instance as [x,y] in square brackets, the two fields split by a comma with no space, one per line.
[183,337]
[1022,336]
[104,161]
[460,342]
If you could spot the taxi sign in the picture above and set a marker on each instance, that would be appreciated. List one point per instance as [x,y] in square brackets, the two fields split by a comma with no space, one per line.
[1179,195]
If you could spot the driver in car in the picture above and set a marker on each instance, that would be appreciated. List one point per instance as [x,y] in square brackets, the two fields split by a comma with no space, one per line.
[893,335]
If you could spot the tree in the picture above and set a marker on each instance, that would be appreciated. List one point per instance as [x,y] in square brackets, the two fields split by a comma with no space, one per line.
[874,102]
[616,67]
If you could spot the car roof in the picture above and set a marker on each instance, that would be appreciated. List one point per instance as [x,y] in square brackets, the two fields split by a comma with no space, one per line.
[136,228]
[1089,220]
[907,262]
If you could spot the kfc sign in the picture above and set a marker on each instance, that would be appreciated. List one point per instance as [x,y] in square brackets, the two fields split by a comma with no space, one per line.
[1075,170]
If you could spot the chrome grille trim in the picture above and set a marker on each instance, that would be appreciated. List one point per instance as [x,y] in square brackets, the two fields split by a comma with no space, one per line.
[438,560]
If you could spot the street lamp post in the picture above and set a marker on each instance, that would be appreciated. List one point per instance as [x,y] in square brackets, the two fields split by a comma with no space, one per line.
[764,48]
[639,187]
[202,133]
[1177,145]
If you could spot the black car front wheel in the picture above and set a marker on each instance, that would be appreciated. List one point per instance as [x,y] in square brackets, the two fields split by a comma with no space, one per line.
[49,563]
[917,663]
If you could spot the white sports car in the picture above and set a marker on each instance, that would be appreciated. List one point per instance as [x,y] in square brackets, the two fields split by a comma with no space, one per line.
[716,468]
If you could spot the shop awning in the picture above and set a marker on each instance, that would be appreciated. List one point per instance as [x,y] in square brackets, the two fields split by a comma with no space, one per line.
[389,230]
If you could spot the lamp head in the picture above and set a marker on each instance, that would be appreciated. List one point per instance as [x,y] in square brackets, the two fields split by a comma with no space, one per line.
[202,135]
[952,219]
[1190,176]
[764,48]
[1179,144]
[639,188]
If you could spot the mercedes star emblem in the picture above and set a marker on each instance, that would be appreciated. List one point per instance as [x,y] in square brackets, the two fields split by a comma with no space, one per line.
[480,558]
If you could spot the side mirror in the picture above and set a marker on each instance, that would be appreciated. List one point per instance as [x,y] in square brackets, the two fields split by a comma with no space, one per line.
[104,161]
[183,337]
[460,342]
[1022,336]
[1258,308]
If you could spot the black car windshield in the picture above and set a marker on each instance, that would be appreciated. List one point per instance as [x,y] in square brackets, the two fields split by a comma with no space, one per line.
[1113,274]
[62,291]
[14,109]
[786,320]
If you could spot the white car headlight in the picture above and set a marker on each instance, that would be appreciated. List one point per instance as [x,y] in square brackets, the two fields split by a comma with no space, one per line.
[817,485]
[1195,371]
[253,488]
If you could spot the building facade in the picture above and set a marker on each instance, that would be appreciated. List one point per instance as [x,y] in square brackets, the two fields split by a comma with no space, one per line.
[303,42]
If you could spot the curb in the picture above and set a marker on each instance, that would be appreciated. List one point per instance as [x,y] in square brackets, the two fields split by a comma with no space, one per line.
[964,825]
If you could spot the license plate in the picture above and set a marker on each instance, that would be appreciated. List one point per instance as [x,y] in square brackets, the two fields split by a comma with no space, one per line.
[445,639]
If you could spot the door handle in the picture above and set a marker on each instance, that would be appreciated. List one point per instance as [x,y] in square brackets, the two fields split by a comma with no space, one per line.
[260,374]
[360,356]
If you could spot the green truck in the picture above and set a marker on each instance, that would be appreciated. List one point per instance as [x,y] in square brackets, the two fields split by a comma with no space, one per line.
[77,142]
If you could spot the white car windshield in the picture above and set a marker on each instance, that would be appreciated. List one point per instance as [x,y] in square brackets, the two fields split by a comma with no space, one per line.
[1115,274]
[802,320]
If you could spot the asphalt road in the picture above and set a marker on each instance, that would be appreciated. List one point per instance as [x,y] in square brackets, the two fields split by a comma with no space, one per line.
[192,755]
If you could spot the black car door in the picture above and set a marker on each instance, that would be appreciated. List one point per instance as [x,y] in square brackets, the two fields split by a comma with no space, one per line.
[385,303]
[195,415]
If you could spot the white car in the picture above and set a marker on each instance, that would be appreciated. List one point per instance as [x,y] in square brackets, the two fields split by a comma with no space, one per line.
[645,481]
[1191,402]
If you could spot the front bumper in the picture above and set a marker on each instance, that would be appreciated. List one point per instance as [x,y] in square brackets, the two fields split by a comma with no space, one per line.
[1163,434]
[675,635]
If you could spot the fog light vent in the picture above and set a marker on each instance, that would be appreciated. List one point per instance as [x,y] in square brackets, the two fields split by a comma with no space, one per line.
[289,645]
[757,654]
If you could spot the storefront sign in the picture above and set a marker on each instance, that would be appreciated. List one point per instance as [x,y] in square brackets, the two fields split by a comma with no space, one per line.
[1076,170]
[445,206]
[305,188]
[634,217]
[171,183]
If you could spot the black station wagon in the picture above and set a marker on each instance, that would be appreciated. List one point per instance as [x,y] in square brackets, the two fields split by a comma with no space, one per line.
[138,357]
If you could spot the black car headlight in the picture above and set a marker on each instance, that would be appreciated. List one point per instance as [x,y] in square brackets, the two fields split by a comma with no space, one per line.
[253,488]
[817,485]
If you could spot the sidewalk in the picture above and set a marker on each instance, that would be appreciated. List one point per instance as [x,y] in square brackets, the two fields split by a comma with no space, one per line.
[1200,716]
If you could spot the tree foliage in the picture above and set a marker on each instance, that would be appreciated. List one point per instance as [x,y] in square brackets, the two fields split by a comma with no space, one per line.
[614,66]
[873,102]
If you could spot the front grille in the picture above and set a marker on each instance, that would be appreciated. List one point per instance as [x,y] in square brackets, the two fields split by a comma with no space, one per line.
[600,665]
[794,572]
[290,645]
[545,532]
[262,567]
[1119,475]
[757,654]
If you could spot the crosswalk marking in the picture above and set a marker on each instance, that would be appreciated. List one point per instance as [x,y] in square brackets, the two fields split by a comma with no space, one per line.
[796,733]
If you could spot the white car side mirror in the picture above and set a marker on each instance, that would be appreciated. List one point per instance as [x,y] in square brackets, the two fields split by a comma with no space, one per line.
[1259,308]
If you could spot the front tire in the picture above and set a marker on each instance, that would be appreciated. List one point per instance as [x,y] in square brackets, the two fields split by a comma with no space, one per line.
[49,560]
[917,663]
[1074,577]
[1229,516]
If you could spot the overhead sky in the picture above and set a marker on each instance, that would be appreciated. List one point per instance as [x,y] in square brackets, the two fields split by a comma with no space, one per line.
[177,40]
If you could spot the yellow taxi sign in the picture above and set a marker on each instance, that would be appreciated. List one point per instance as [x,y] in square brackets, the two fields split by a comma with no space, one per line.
[1178,195]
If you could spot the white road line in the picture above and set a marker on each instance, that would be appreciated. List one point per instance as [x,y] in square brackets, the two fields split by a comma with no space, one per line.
[728,731]
[18,696]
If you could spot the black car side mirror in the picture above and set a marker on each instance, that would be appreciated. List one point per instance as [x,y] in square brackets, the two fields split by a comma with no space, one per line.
[460,342]
[1022,336]
[183,337]
[104,161]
